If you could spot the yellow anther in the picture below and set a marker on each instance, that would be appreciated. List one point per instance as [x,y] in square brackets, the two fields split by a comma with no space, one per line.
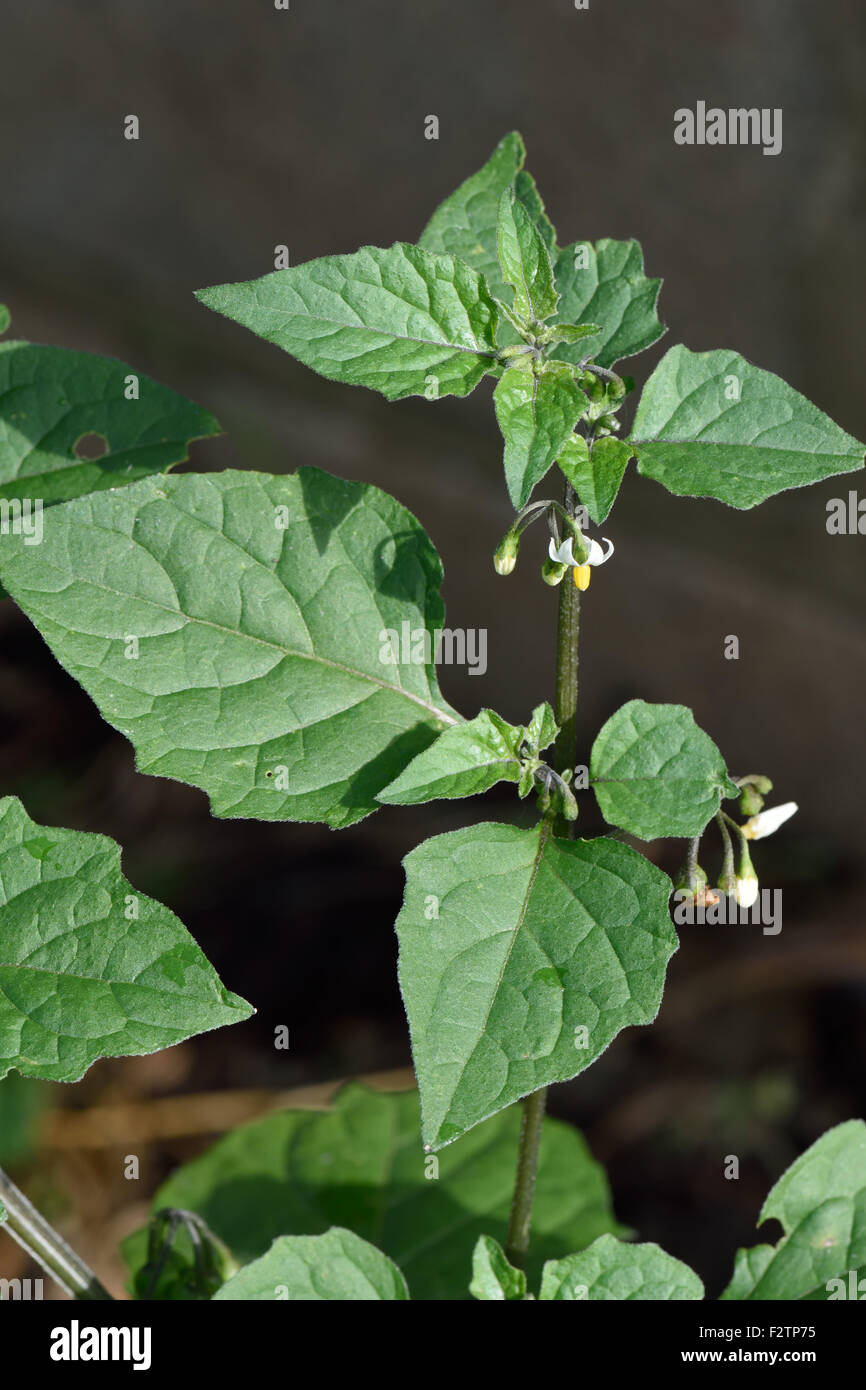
[582,575]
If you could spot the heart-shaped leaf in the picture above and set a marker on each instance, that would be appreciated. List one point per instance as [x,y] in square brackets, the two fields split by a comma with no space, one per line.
[360,1164]
[655,773]
[521,958]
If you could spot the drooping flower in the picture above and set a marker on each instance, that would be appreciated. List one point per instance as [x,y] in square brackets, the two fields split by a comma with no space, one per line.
[766,822]
[563,554]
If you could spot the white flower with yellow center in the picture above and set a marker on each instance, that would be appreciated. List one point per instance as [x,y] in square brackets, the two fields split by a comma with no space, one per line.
[563,554]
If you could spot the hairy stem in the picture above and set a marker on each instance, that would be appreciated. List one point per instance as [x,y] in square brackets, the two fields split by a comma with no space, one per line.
[565,753]
[47,1248]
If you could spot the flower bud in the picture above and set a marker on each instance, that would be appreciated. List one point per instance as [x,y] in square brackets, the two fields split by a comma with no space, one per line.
[727,882]
[746,891]
[505,555]
[751,801]
[552,572]
[695,885]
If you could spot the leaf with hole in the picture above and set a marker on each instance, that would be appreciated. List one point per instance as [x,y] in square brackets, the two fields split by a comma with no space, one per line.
[399,319]
[710,424]
[655,773]
[69,425]
[521,958]
[245,633]
[820,1202]
[88,967]
[610,1271]
[360,1164]
[336,1266]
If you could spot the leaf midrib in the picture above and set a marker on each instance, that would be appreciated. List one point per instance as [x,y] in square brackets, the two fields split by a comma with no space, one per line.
[262,641]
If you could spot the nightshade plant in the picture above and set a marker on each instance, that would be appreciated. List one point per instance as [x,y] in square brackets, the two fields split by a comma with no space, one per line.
[231,625]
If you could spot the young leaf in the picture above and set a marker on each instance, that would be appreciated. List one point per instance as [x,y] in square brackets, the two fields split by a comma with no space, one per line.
[525,262]
[521,958]
[465,760]
[536,414]
[360,1164]
[821,1204]
[606,284]
[52,400]
[88,967]
[398,319]
[494,1279]
[596,480]
[655,773]
[611,1271]
[709,424]
[465,224]
[335,1266]
[266,618]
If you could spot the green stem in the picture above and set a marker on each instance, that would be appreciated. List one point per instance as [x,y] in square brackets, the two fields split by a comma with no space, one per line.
[565,753]
[33,1233]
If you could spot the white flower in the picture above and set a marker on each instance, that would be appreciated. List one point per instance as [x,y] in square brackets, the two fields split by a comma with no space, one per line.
[765,822]
[564,555]
[746,891]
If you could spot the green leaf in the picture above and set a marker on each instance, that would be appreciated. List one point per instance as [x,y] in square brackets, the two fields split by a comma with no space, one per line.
[596,480]
[360,1164]
[398,319]
[536,414]
[465,760]
[52,400]
[570,332]
[821,1204]
[336,1266]
[611,1271]
[521,957]
[606,284]
[542,728]
[22,1102]
[262,608]
[709,424]
[494,1279]
[5,318]
[465,225]
[88,967]
[525,261]
[655,773]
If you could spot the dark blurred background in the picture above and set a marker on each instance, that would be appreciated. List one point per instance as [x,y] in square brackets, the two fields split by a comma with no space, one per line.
[306,127]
